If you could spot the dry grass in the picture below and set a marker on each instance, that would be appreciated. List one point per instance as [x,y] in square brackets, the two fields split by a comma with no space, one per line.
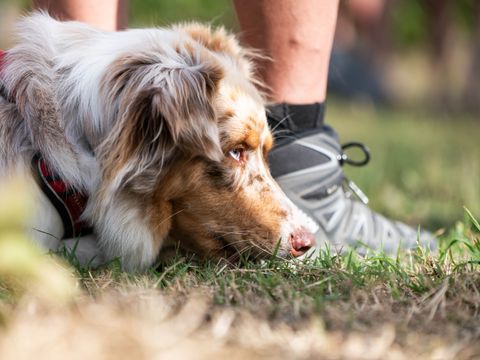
[137,321]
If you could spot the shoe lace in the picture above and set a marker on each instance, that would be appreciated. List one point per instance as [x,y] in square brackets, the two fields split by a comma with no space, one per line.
[343,158]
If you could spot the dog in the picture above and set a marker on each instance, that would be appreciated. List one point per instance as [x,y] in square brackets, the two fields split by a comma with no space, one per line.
[146,138]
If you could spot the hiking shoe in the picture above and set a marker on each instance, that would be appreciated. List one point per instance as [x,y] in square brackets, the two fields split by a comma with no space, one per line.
[309,170]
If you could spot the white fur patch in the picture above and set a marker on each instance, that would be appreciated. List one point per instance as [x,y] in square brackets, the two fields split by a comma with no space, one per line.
[125,233]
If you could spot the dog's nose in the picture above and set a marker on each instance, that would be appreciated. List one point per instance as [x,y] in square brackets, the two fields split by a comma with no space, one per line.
[301,241]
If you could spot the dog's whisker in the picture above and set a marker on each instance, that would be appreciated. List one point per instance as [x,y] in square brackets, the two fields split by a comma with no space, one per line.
[285,137]
[251,245]
[276,132]
[171,216]
[46,233]
[279,123]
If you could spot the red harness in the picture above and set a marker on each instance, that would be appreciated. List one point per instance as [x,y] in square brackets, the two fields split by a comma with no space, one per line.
[3,92]
[68,201]
[2,55]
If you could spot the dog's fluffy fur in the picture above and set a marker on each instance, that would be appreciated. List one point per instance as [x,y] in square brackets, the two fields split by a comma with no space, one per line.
[163,128]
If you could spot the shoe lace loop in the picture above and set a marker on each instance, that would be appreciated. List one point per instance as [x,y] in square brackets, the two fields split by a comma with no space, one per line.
[343,158]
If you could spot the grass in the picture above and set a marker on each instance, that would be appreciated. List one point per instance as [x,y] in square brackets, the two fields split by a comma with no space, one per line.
[337,306]
[373,306]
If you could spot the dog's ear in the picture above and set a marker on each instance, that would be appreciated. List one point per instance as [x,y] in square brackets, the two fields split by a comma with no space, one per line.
[165,104]
[179,103]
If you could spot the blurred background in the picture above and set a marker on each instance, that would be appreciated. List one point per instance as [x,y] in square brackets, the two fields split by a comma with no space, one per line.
[404,78]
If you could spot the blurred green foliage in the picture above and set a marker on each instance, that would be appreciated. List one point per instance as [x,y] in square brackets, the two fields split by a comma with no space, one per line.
[161,12]
[143,13]
[409,20]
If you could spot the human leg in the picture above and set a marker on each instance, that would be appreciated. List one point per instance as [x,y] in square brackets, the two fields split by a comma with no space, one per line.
[105,14]
[298,36]
[307,160]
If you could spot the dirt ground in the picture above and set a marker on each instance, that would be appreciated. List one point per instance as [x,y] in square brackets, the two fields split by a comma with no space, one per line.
[138,323]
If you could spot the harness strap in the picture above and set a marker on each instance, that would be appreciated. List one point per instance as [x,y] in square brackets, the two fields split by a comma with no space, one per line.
[3,91]
[69,202]
[2,56]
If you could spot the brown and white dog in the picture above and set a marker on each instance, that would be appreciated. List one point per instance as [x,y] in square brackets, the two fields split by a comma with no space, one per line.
[163,128]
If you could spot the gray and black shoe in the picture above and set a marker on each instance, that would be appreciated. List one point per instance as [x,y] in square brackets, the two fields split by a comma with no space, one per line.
[309,170]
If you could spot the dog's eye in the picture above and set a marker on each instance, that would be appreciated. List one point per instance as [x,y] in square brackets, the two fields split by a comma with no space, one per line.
[237,154]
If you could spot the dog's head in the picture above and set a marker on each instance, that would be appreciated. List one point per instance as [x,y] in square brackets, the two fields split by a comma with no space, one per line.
[191,140]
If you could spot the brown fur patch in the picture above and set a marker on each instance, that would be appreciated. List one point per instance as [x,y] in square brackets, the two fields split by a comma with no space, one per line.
[215,40]
[227,115]
[220,41]
[267,145]
[252,139]
[161,219]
